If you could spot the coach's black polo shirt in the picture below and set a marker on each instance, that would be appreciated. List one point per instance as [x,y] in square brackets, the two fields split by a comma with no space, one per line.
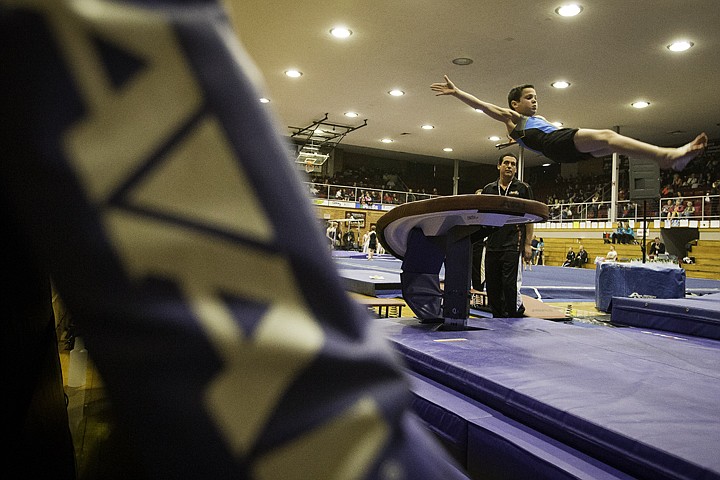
[508,237]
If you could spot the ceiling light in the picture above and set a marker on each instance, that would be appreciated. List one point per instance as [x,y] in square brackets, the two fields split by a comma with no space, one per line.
[352,114]
[462,61]
[640,104]
[680,46]
[546,164]
[494,138]
[560,84]
[264,100]
[396,93]
[387,140]
[293,73]
[340,32]
[569,10]
[447,149]
[427,127]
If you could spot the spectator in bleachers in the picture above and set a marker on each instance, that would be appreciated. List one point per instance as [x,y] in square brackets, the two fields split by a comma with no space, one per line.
[581,258]
[594,205]
[656,247]
[679,208]
[569,258]
[668,209]
[677,182]
[689,209]
[611,256]
[626,212]
[628,234]
[618,234]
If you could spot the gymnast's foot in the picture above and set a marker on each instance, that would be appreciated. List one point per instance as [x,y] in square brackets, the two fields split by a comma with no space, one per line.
[681,156]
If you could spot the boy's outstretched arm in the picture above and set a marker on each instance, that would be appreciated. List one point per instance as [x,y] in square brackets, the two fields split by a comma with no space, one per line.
[505,115]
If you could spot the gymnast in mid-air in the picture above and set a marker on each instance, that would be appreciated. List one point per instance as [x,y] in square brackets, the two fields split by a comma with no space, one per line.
[564,145]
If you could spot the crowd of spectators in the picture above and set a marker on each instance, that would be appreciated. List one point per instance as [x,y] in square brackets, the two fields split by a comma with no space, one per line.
[690,193]
[366,186]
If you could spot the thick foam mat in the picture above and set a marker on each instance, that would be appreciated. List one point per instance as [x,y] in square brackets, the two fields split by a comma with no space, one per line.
[634,279]
[696,316]
[643,403]
[491,446]
[371,282]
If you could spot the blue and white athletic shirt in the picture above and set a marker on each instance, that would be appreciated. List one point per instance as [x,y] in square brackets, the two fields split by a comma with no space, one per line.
[150,181]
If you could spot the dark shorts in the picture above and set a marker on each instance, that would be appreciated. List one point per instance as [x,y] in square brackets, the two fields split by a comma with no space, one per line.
[558,145]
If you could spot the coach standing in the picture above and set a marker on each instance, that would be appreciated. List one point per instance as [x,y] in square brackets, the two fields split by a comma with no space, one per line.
[506,246]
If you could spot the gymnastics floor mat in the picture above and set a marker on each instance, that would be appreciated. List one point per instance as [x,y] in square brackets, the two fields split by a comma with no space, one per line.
[642,403]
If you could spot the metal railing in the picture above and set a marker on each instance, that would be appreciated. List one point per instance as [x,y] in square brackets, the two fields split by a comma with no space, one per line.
[704,207]
[364,197]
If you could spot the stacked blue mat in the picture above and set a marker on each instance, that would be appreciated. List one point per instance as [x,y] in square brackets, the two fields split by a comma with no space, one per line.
[492,446]
[696,316]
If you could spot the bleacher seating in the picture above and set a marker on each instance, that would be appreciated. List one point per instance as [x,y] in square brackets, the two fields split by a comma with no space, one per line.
[556,249]
[707,260]
[706,254]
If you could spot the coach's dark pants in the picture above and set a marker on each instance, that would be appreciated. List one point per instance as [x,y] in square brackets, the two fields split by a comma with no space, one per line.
[502,283]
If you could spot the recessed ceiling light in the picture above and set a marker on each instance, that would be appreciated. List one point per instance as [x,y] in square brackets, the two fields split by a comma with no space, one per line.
[546,164]
[447,149]
[569,10]
[293,73]
[352,114]
[264,100]
[462,61]
[640,104]
[494,138]
[387,140]
[560,84]
[427,127]
[340,32]
[396,93]
[680,46]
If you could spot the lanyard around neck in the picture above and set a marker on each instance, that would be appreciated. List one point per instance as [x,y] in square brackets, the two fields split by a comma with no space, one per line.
[506,190]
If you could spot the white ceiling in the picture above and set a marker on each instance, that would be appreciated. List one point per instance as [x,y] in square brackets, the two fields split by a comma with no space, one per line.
[613,53]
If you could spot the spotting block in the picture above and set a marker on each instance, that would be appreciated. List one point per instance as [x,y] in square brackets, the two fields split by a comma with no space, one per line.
[637,280]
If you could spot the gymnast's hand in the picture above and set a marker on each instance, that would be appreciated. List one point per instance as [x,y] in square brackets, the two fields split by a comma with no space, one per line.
[447,88]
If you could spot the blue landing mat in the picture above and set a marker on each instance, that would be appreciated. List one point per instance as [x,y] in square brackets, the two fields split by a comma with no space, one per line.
[696,316]
[643,403]
[491,446]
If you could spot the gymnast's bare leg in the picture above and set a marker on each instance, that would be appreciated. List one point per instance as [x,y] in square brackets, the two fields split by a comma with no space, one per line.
[605,142]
